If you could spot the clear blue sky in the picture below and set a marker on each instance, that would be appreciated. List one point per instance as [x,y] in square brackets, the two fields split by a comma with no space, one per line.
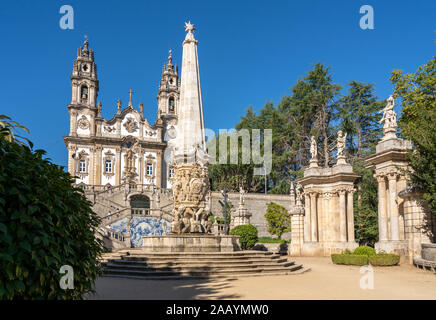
[249,51]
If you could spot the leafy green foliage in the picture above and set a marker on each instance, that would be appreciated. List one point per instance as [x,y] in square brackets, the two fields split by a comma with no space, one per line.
[8,130]
[271,240]
[364,250]
[248,235]
[350,259]
[44,223]
[384,259]
[418,98]
[278,219]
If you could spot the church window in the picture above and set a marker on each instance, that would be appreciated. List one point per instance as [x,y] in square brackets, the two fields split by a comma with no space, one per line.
[171,106]
[149,168]
[171,173]
[82,166]
[108,166]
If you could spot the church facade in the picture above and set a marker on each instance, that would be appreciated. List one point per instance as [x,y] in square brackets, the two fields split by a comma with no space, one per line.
[103,153]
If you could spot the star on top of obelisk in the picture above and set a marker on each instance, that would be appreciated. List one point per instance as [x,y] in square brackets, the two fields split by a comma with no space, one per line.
[189,27]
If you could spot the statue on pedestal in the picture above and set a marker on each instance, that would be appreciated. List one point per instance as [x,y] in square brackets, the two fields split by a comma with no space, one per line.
[389,118]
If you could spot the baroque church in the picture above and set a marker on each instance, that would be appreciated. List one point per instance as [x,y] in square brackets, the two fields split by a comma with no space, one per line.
[104,153]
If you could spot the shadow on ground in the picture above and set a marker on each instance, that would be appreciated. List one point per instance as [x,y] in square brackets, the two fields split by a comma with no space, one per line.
[108,288]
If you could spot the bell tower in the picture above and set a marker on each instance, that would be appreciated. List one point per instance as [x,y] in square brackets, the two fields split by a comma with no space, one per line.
[84,84]
[84,79]
[169,90]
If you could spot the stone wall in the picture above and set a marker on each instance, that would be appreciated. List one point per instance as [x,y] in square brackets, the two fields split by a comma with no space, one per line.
[256,203]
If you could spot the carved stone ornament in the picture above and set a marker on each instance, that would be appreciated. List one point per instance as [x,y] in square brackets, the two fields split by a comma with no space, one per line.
[83,123]
[191,184]
[109,129]
[131,125]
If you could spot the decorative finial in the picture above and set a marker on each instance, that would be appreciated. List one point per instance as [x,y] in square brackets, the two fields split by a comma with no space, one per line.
[189,27]
[118,106]
[130,98]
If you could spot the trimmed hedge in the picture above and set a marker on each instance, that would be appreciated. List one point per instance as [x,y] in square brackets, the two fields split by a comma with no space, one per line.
[247,234]
[361,260]
[350,259]
[271,240]
[384,259]
[364,251]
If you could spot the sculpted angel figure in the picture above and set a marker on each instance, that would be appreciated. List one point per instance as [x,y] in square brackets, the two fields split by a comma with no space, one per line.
[313,148]
[341,143]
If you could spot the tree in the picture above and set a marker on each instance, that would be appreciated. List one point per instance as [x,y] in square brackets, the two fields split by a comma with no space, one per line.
[45,223]
[278,218]
[417,92]
[358,113]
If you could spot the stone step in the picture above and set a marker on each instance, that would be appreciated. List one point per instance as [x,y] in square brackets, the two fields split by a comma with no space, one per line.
[202,273]
[196,262]
[139,252]
[189,266]
[199,259]
[209,276]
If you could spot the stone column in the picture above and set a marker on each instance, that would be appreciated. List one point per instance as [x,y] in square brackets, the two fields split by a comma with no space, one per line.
[395,232]
[118,166]
[350,215]
[321,217]
[342,217]
[382,218]
[73,123]
[98,171]
[313,217]
[307,228]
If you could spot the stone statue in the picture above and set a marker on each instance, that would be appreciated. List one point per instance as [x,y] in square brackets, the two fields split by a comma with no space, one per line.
[313,148]
[299,193]
[389,118]
[241,196]
[341,143]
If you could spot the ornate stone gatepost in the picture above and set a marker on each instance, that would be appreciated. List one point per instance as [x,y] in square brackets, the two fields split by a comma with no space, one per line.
[400,216]
[328,207]
[297,220]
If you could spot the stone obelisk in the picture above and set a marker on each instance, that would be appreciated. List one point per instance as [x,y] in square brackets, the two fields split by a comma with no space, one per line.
[190,159]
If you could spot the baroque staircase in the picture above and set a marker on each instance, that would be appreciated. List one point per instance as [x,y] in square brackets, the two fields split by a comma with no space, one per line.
[134,263]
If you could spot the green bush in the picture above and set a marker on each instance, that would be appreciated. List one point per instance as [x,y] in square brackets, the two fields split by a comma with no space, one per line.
[271,240]
[350,259]
[278,218]
[45,223]
[248,235]
[364,251]
[384,259]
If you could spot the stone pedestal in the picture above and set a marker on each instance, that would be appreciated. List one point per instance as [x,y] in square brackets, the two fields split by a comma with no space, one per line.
[190,243]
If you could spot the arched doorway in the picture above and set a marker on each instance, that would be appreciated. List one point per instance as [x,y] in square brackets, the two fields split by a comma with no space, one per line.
[140,205]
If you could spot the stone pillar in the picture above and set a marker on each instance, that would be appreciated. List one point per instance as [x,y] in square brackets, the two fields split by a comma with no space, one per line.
[394,222]
[307,228]
[321,216]
[342,216]
[98,171]
[382,216]
[313,217]
[350,215]
[118,166]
